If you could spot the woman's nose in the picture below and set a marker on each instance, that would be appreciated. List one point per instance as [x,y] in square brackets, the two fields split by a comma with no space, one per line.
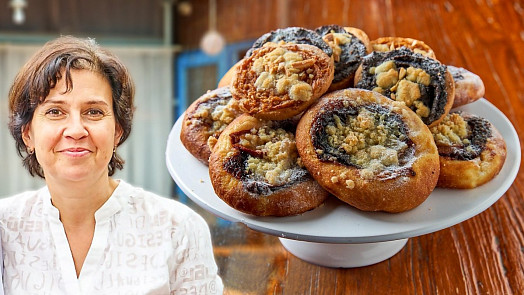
[75,127]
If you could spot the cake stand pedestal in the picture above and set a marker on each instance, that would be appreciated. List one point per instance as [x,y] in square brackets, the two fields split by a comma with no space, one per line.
[343,255]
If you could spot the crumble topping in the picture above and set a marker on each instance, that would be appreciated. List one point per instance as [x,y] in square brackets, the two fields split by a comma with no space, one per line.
[453,130]
[285,71]
[217,114]
[461,136]
[273,156]
[371,142]
[334,40]
[414,45]
[403,83]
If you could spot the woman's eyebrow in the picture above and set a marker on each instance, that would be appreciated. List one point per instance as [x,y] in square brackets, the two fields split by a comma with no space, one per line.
[53,101]
[95,101]
[89,102]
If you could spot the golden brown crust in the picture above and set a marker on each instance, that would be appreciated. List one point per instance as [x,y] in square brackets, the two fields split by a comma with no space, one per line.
[407,186]
[269,85]
[205,119]
[469,87]
[294,197]
[362,36]
[467,174]
[390,43]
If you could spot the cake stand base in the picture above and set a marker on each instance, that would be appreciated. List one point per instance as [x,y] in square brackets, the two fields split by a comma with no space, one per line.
[343,255]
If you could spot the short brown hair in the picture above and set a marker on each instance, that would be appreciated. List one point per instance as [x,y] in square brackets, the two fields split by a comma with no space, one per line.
[47,66]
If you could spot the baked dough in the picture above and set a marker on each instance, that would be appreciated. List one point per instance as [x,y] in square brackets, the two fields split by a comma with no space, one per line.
[278,82]
[255,168]
[294,35]
[348,50]
[471,150]
[469,87]
[369,151]
[422,83]
[384,44]
[360,35]
[205,119]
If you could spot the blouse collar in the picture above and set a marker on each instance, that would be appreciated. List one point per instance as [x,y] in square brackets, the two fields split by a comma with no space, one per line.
[112,206]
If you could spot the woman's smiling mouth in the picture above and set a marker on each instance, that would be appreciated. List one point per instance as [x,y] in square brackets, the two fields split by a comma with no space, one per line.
[75,152]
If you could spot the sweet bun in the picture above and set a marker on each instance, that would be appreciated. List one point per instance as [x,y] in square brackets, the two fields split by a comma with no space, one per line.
[294,35]
[369,151]
[469,87]
[205,119]
[278,82]
[384,44]
[255,168]
[348,50]
[471,150]
[422,83]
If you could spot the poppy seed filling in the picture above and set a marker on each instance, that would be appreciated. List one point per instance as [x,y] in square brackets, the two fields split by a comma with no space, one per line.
[348,50]
[295,35]
[368,137]
[403,75]
[461,138]
[265,159]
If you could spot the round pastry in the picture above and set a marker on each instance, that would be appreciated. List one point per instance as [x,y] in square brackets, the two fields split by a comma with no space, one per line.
[255,168]
[348,50]
[469,87]
[369,151]
[422,83]
[471,150]
[296,35]
[205,119]
[278,82]
[384,44]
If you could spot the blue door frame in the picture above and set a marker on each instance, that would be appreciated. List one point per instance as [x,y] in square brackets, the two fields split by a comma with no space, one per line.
[187,60]
[197,58]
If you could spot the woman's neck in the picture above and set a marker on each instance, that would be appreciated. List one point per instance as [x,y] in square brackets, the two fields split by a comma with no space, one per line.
[77,202]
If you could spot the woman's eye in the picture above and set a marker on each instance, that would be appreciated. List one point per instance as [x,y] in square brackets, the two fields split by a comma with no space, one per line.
[54,112]
[95,113]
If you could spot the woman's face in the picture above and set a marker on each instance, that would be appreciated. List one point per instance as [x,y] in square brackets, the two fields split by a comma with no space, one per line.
[74,133]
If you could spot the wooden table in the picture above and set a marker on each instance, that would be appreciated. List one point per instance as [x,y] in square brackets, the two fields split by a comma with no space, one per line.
[483,255]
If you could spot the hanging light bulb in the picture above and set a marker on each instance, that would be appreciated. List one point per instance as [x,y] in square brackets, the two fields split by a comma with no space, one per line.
[212,42]
[18,10]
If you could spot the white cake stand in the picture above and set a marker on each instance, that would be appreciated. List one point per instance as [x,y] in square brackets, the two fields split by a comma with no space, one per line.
[338,235]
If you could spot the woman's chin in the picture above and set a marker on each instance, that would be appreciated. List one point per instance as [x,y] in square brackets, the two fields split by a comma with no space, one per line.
[77,174]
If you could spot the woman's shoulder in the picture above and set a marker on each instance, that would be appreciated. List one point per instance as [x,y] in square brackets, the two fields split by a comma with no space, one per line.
[21,202]
[20,199]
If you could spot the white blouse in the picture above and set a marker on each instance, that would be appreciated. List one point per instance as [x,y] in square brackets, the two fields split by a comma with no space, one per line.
[143,244]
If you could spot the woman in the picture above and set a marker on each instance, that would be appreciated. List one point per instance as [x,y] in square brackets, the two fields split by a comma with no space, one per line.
[71,106]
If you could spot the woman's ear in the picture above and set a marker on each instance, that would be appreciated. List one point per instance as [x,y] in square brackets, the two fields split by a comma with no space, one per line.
[118,134]
[27,137]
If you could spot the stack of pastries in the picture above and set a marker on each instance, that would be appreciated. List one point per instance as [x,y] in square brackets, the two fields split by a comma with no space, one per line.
[311,114]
